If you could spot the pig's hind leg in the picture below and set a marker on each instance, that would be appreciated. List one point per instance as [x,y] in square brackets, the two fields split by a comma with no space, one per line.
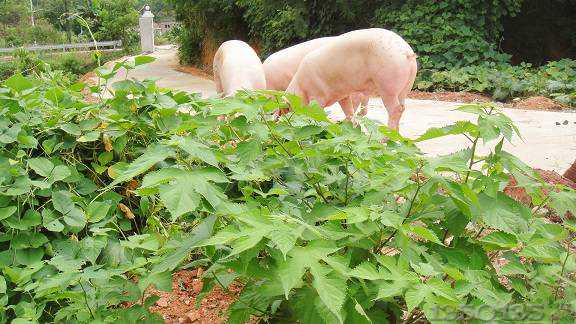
[395,108]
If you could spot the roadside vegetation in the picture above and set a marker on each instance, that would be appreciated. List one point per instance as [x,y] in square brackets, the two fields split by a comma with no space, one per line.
[318,222]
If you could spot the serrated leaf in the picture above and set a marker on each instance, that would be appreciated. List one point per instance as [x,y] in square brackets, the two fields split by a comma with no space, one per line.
[501,240]
[284,240]
[290,273]
[331,288]
[248,151]
[197,150]
[179,197]
[415,296]
[424,233]
[153,155]
[367,270]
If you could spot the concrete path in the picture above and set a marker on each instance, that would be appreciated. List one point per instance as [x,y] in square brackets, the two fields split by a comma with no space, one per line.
[546,145]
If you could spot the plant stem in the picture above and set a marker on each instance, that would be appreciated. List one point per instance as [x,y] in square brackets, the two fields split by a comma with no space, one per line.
[562,274]
[86,300]
[308,178]
[474,144]
[409,210]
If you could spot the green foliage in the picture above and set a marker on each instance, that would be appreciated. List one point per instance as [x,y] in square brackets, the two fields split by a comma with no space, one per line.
[319,222]
[556,80]
[451,33]
[71,65]
[445,34]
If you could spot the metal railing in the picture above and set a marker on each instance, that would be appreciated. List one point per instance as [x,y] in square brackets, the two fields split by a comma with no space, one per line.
[117,44]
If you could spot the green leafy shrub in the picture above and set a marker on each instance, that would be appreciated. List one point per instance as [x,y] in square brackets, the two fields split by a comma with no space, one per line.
[556,80]
[319,222]
[445,34]
[450,34]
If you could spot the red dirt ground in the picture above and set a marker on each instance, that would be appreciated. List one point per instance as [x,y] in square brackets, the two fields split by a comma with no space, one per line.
[178,306]
[530,103]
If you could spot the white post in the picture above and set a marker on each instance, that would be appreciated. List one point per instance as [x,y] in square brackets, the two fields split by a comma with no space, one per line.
[147,31]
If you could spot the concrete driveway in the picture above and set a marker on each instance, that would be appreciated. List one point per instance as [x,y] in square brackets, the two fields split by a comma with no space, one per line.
[546,145]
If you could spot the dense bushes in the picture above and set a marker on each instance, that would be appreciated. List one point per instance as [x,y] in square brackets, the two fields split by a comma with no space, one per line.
[448,34]
[445,34]
[556,80]
[318,222]
[72,65]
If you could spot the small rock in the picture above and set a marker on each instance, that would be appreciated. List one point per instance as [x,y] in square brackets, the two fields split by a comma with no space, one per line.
[193,272]
[187,302]
[199,272]
[197,286]
[162,302]
[558,123]
[192,316]
[565,122]
[185,320]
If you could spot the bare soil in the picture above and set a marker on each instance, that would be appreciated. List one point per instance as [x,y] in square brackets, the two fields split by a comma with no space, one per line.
[530,103]
[178,306]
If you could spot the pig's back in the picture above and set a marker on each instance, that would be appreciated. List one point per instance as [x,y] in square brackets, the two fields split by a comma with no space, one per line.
[281,66]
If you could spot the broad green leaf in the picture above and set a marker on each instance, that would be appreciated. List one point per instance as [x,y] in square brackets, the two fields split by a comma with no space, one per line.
[7,212]
[19,83]
[51,221]
[367,270]
[2,285]
[387,289]
[460,127]
[97,210]
[501,240]
[143,59]
[89,137]
[249,151]
[424,233]
[197,150]
[244,243]
[75,217]
[71,129]
[161,280]
[331,288]
[29,256]
[415,296]
[563,202]
[313,110]
[42,166]
[62,201]
[290,273]
[153,155]
[179,197]
[185,245]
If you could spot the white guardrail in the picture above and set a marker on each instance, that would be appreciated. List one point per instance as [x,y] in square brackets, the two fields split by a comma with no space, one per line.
[117,44]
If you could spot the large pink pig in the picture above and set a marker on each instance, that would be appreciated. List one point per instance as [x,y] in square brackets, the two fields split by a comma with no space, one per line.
[236,66]
[281,67]
[368,61]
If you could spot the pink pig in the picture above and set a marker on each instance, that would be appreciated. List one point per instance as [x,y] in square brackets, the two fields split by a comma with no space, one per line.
[281,67]
[236,66]
[368,61]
